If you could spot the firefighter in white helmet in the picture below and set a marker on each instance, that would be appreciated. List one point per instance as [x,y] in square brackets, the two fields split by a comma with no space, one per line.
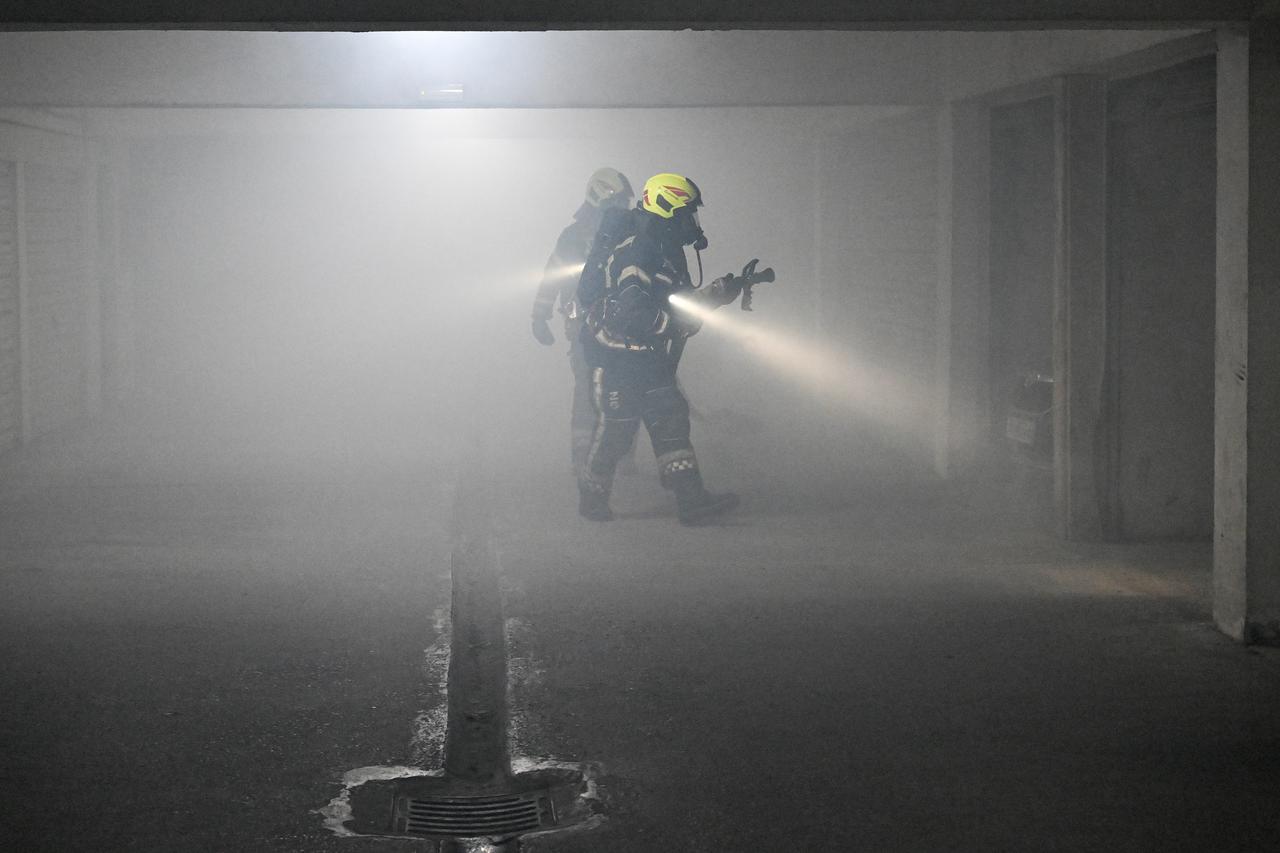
[607,190]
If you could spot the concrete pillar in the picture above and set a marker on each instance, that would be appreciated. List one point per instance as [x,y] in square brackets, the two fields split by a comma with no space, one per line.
[962,392]
[820,180]
[1079,303]
[119,318]
[24,301]
[1246,554]
[90,223]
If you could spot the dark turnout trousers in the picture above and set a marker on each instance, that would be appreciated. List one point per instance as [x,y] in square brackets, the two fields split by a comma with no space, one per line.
[627,389]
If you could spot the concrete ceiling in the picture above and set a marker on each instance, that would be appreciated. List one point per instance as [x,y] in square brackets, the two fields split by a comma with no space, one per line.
[578,69]
[630,14]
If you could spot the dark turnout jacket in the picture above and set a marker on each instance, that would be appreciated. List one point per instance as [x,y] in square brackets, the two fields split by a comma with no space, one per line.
[633,313]
[560,278]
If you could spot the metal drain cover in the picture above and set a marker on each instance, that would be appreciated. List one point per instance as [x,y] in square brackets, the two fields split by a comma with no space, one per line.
[440,807]
[474,817]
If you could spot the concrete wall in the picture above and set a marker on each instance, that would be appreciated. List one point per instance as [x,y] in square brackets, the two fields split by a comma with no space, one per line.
[117,306]
[879,249]
[1100,271]
[1023,217]
[10,329]
[1161,189]
[49,360]
[56,307]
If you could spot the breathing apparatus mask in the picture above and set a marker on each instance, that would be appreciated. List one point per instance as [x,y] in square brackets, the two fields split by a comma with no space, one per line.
[688,230]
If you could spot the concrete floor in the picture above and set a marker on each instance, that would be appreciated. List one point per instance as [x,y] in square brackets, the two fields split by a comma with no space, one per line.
[192,661]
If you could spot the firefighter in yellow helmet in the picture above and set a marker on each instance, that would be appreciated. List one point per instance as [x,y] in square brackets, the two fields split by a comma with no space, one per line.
[608,191]
[631,339]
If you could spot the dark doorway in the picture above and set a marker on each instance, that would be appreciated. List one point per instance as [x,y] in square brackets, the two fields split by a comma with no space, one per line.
[1161,302]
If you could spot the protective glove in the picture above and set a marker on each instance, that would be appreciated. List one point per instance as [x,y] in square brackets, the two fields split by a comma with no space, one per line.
[542,331]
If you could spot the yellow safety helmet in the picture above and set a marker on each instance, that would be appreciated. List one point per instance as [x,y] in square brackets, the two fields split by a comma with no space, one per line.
[666,193]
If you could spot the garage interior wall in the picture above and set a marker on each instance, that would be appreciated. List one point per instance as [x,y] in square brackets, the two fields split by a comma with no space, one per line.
[57,297]
[1023,221]
[1161,231]
[10,344]
[1153,451]
[879,198]
[48,288]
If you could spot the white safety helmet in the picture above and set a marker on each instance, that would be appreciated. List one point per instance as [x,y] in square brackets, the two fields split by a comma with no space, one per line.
[609,188]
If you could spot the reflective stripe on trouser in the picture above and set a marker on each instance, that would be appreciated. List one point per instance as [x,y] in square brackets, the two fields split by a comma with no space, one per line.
[582,421]
[666,415]
[617,419]
[621,401]
[678,467]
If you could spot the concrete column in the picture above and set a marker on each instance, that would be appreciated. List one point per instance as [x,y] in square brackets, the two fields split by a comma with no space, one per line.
[962,392]
[820,180]
[1246,554]
[24,301]
[120,321]
[1079,302]
[90,220]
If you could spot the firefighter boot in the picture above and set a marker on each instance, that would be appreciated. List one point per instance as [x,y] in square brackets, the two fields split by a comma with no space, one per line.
[695,505]
[594,505]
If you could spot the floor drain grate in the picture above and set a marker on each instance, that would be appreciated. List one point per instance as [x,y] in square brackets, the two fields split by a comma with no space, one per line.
[472,817]
[440,807]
